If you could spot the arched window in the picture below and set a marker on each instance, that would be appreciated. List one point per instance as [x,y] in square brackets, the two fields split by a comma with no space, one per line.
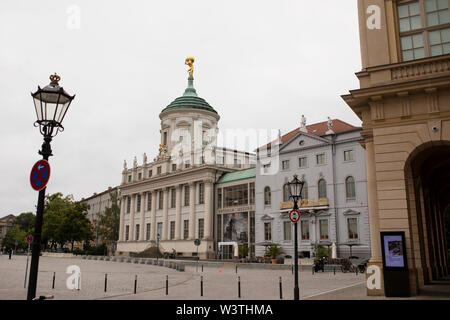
[350,187]
[286,193]
[322,186]
[305,191]
[267,196]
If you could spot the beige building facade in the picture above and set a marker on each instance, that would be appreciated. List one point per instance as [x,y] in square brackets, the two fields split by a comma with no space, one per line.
[404,104]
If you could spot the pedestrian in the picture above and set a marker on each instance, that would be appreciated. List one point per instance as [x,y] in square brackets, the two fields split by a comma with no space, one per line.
[10,253]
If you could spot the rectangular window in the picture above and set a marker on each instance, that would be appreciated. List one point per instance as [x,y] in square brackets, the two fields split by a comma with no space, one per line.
[323,224]
[424,27]
[173,198]
[302,162]
[219,198]
[220,159]
[201,228]
[174,167]
[147,232]
[138,203]
[349,155]
[266,168]
[139,176]
[235,195]
[137,231]
[149,201]
[128,204]
[219,228]
[287,230]
[252,193]
[285,164]
[320,159]
[267,231]
[186,196]
[150,172]
[165,138]
[161,199]
[305,229]
[186,229]
[187,164]
[129,178]
[158,170]
[237,163]
[159,230]
[127,233]
[352,225]
[172,230]
[201,193]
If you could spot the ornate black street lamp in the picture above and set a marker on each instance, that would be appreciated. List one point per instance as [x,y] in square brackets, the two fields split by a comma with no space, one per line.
[295,188]
[51,104]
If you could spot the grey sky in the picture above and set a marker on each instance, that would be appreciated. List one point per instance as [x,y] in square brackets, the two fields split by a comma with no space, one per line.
[260,64]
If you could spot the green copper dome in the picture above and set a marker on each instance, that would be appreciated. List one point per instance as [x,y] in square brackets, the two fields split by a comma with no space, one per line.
[189,100]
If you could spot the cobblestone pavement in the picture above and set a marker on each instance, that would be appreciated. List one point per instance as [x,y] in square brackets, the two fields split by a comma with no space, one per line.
[218,284]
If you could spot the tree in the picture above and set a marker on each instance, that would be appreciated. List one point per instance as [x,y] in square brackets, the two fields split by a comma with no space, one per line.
[110,220]
[25,221]
[15,234]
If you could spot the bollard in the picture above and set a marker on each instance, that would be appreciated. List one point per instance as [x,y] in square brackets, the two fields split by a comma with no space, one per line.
[356,270]
[135,283]
[236,268]
[334,270]
[106,280]
[292,269]
[79,279]
[167,285]
[202,268]
[239,286]
[201,286]
[281,290]
[53,284]
[313,270]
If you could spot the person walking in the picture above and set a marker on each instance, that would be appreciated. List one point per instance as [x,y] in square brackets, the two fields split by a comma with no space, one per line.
[10,253]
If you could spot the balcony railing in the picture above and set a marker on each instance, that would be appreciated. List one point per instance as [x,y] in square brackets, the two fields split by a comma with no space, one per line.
[305,203]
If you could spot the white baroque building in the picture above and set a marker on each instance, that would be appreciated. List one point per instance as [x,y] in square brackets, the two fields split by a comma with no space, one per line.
[329,158]
[170,201]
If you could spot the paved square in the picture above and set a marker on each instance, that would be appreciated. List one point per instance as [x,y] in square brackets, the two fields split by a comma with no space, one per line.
[257,284]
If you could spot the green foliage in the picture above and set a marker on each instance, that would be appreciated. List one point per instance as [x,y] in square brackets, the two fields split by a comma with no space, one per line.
[274,251]
[243,251]
[322,252]
[65,221]
[26,222]
[110,220]
[15,234]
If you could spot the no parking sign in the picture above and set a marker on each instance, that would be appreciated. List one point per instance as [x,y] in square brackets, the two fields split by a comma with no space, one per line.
[40,174]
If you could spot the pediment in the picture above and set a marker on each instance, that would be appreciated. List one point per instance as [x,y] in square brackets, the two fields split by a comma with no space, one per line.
[302,140]
[266,217]
[350,212]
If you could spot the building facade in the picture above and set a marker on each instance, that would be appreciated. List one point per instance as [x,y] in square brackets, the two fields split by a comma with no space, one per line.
[97,203]
[170,201]
[235,214]
[6,223]
[404,104]
[329,158]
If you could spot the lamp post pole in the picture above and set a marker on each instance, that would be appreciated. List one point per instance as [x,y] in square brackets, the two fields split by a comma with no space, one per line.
[296,289]
[46,152]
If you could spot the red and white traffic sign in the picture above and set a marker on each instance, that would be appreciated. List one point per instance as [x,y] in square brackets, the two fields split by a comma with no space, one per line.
[29,239]
[40,174]
[294,215]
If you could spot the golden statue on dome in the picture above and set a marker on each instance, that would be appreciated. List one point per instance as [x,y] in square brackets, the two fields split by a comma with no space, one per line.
[190,62]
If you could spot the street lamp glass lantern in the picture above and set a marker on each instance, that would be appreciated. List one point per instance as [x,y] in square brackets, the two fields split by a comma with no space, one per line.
[295,188]
[51,104]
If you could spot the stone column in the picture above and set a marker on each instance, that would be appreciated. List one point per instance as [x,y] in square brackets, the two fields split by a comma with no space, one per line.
[123,207]
[131,235]
[153,217]
[208,209]
[191,210]
[165,214]
[178,225]
[375,240]
[142,217]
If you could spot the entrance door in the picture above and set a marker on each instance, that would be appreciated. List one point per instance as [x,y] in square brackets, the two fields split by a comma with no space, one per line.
[227,252]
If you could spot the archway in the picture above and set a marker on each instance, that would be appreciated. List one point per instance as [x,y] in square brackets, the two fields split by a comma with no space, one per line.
[427,173]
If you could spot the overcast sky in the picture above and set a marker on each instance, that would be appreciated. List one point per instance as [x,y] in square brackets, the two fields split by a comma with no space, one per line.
[261,64]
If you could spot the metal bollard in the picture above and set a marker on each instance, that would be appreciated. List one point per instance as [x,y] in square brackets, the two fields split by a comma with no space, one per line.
[281,290]
[356,270]
[202,268]
[106,280]
[53,284]
[167,285]
[236,268]
[239,286]
[201,286]
[334,270]
[135,283]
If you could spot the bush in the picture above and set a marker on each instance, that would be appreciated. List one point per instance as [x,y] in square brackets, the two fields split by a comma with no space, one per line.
[97,251]
[273,251]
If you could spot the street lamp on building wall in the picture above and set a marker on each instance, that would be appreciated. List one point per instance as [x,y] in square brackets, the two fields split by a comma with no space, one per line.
[51,104]
[295,188]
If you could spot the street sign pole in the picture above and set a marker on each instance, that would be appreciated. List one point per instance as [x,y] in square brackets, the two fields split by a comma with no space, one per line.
[26,269]
[294,216]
